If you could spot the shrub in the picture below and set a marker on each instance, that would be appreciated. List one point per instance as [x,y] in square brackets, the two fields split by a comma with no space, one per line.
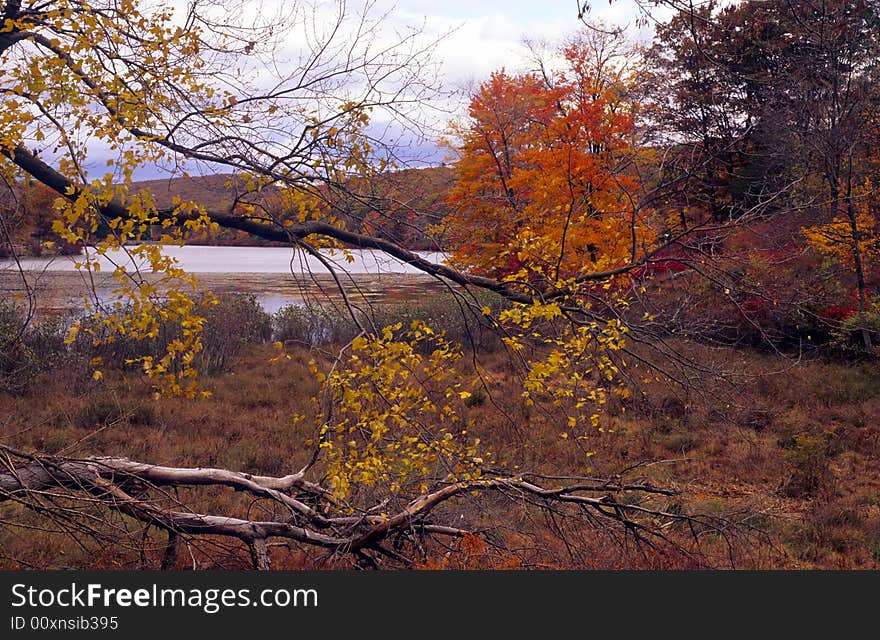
[95,341]
[312,325]
[26,349]
[460,322]
[809,456]
[848,336]
[757,419]
[235,322]
[681,442]
[101,410]
[105,408]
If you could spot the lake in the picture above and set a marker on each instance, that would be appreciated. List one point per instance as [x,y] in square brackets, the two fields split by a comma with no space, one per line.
[277,276]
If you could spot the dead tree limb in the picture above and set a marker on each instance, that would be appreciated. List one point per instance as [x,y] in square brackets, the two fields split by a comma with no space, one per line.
[309,514]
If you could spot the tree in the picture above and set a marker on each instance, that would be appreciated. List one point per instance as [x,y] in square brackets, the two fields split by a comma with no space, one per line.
[75,74]
[771,105]
[543,190]
[852,239]
[839,53]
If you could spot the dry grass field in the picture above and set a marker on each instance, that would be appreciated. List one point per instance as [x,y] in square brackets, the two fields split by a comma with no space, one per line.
[787,451]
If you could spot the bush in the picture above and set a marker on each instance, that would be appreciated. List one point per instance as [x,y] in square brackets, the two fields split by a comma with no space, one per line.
[681,442]
[235,322]
[312,325]
[779,298]
[848,337]
[101,410]
[26,349]
[95,341]
[460,322]
[809,455]
[231,325]
[105,408]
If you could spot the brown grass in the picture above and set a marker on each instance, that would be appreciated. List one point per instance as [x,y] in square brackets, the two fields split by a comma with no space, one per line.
[791,450]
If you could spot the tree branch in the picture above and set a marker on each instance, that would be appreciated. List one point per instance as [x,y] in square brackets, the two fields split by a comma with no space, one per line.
[106,481]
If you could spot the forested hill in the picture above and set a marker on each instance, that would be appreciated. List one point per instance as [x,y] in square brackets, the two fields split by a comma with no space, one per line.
[401,206]
[212,191]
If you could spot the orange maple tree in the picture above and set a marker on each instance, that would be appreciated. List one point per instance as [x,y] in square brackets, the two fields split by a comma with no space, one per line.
[542,190]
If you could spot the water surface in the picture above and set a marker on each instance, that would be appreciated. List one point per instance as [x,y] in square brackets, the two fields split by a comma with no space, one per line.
[202,259]
[277,276]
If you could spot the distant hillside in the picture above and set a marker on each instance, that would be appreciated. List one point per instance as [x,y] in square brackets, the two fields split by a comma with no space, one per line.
[400,206]
[27,214]
[213,192]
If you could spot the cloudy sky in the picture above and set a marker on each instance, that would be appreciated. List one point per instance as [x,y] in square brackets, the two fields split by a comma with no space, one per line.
[484,35]
[475,38]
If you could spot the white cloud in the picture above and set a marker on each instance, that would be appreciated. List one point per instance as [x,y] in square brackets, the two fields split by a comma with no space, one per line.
[484,35]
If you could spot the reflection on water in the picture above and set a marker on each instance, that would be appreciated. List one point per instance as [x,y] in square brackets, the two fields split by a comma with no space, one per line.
[276,276]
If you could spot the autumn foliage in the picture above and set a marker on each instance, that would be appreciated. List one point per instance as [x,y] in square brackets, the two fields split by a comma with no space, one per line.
[543,188]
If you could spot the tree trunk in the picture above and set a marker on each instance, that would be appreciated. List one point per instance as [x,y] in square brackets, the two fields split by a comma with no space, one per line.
[860,281]
[857,264]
